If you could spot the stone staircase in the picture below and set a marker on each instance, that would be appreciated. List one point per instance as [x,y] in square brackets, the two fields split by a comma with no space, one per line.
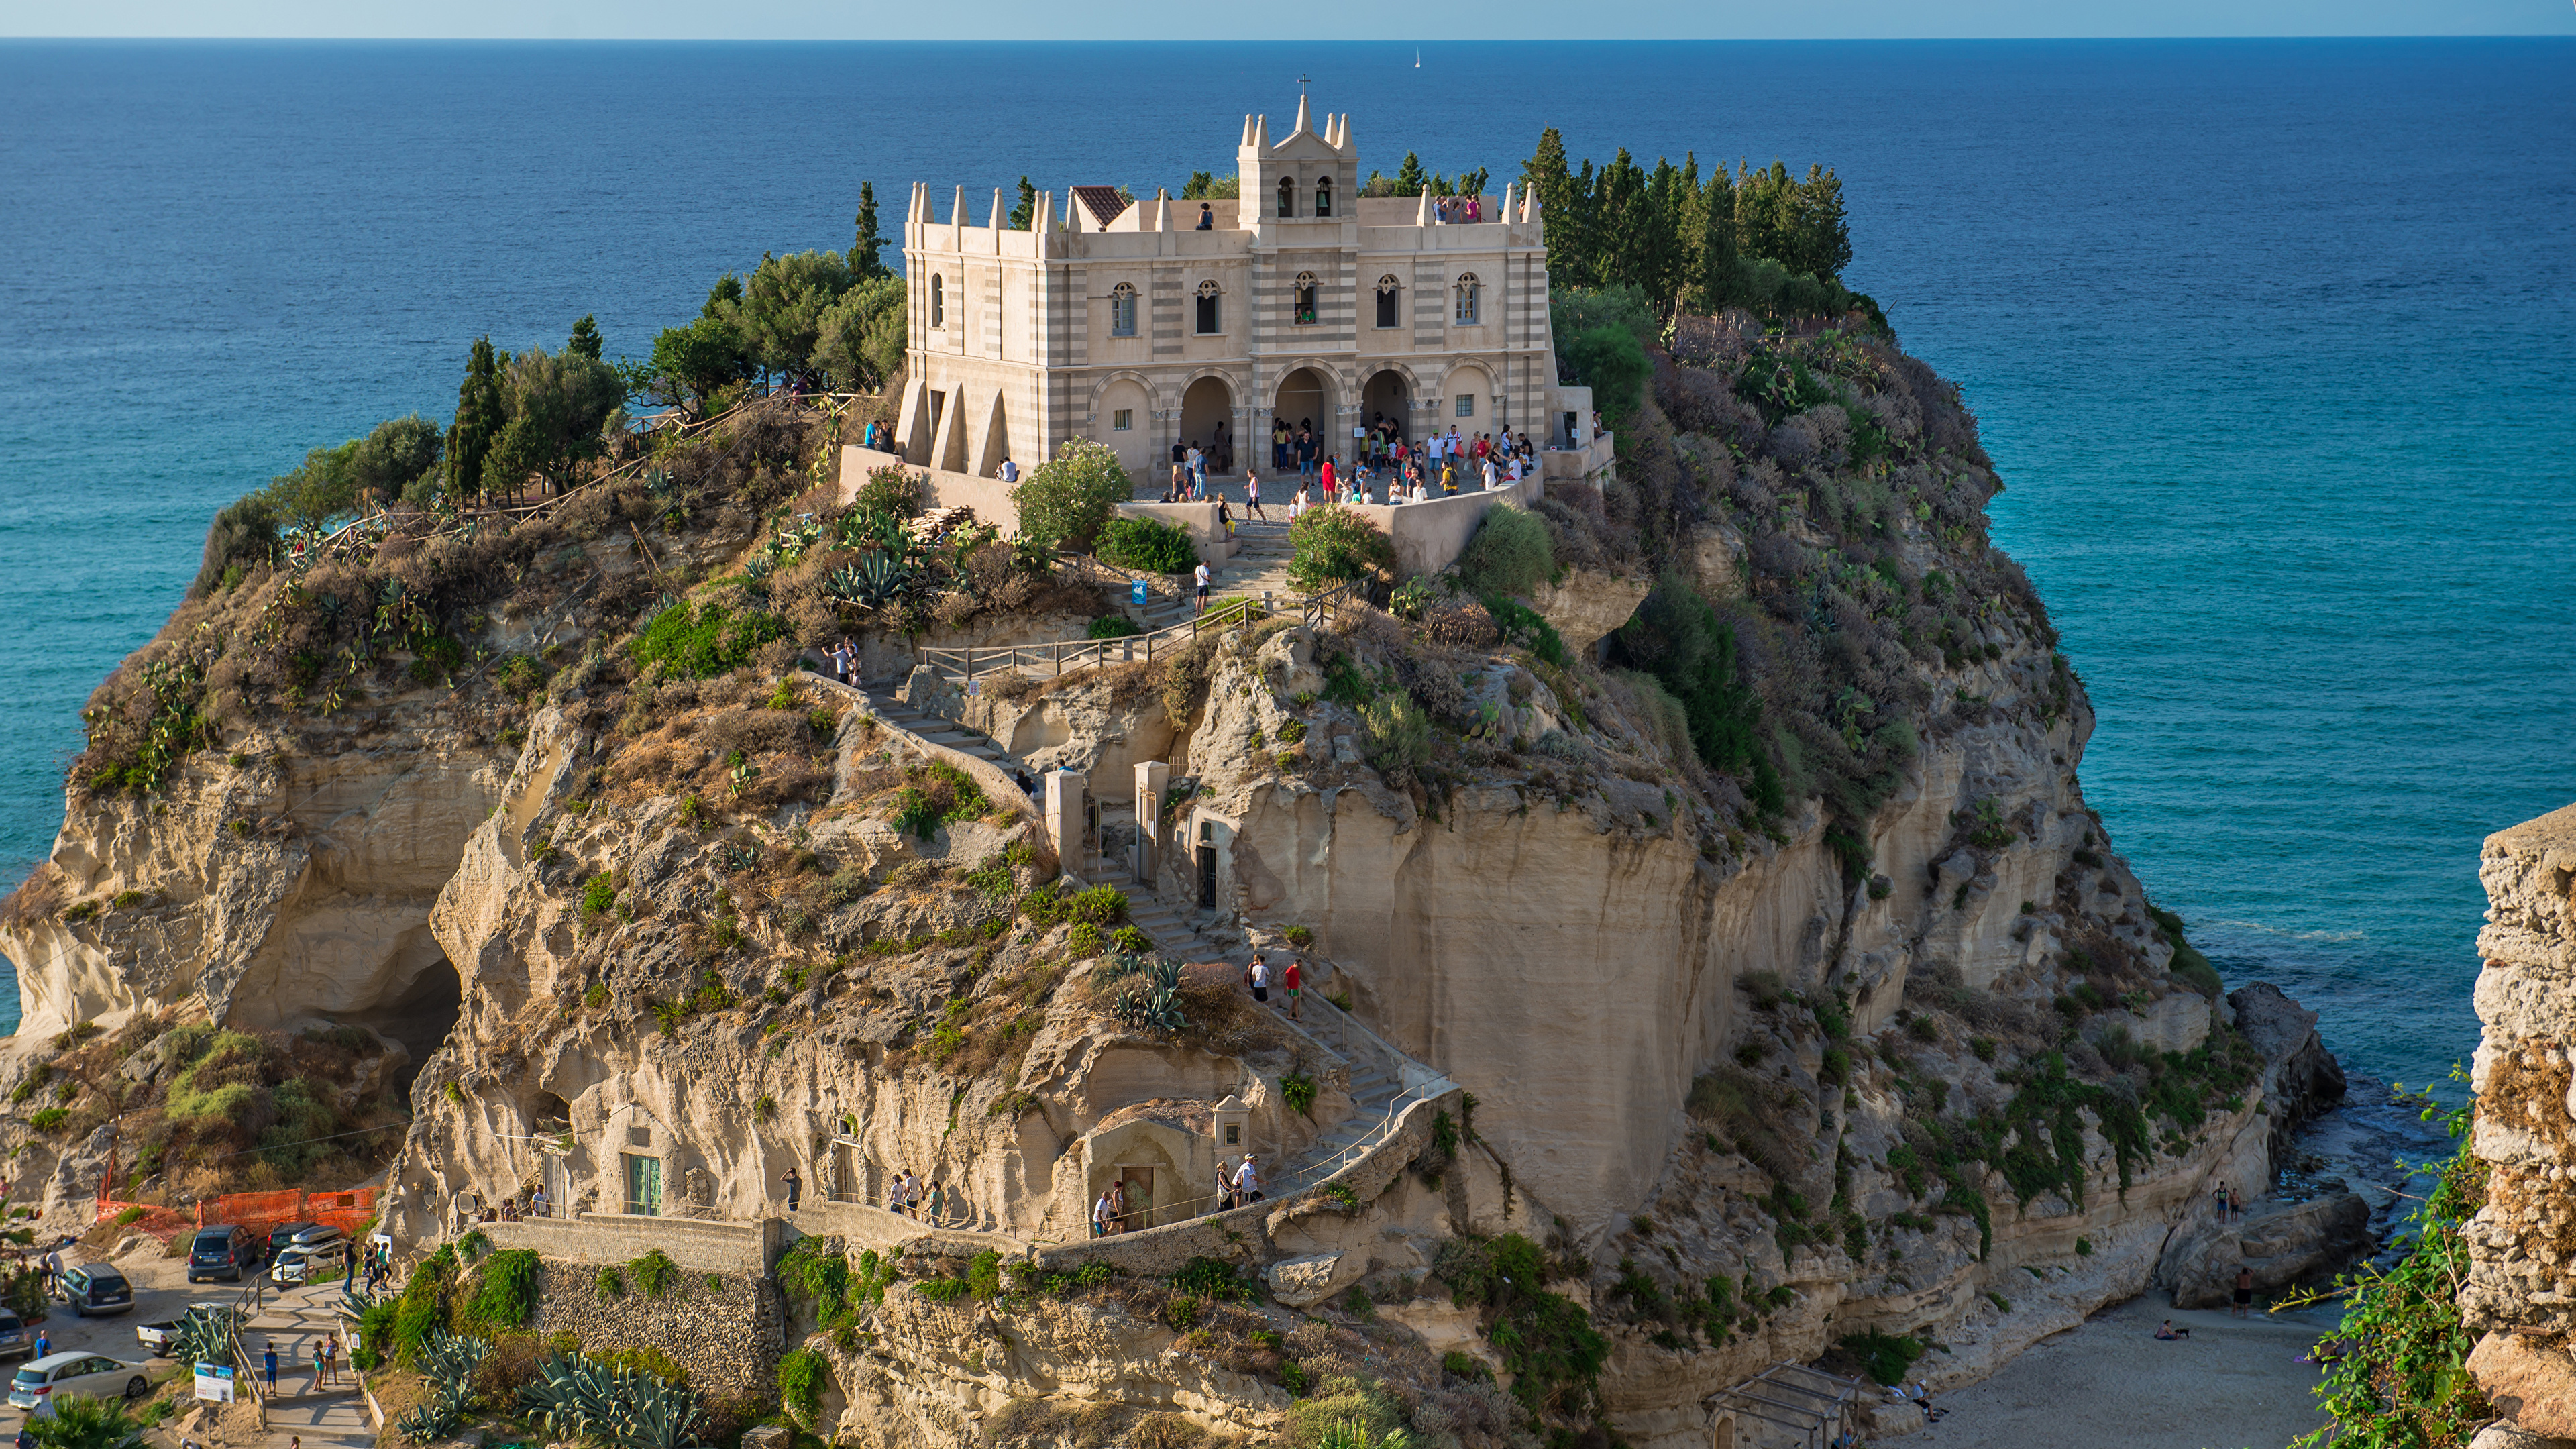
[1376,1075]
[1259,566]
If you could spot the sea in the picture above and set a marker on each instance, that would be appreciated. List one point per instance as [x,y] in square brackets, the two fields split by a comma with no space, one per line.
[2270,339]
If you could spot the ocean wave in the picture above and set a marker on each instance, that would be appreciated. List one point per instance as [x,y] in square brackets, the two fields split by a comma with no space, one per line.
[2258,928]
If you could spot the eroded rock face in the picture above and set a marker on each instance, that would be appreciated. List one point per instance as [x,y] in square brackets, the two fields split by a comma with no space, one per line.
[288,889]
[2301,1077]
[2282,1243]
[2522,1244]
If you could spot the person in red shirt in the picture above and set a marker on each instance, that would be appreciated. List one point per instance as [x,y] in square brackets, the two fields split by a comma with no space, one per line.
[1295,982]
[1328,480]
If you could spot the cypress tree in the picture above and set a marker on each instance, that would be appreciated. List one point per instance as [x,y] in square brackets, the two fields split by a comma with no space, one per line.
[1410,177]
[481,413]
[1823,233]
[585,339]
[1662,266]
[863,261]
[1560,209]
[1026,212]
[1621,229]
[1714,283]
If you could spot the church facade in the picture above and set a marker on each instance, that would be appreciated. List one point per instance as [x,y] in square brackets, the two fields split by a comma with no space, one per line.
[1149,323]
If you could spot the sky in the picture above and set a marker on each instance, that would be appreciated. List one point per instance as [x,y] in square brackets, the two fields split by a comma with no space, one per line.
[1337,19]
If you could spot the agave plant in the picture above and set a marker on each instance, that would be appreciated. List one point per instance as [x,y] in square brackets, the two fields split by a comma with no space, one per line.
[625,1407]
[448,1361]
[872,583]
[205,1335]
[433,1420]
[1152,1003]
[758,567]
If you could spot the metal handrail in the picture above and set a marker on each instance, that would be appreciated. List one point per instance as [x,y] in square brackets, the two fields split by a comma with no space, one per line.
[1060,658]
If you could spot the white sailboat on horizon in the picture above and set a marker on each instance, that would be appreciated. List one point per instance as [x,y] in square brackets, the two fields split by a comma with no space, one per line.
[1417,57]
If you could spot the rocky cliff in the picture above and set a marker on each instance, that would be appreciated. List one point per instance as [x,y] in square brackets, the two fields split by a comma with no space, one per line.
[2521,1290]
[1731,963]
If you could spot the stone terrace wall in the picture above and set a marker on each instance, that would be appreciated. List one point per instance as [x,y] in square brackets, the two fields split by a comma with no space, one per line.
[2521,1288]
[726,1329]
[702,1247]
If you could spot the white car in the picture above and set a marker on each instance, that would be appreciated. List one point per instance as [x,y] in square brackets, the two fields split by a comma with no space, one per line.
[309,1262]
[88,1375]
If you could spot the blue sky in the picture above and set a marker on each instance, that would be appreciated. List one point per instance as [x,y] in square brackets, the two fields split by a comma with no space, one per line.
[1332,19]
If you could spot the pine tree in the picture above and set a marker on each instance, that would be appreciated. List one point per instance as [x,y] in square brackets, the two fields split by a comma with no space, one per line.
[1620,227]
[1410,177]
[481,414]
[1663,256]
[863,259]
[585,339]
[1027,211]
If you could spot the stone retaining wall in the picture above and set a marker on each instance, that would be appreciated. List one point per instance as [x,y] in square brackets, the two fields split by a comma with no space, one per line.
[704,1247]
[726,1329]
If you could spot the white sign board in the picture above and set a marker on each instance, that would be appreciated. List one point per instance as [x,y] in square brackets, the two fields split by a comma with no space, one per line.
[215,1383]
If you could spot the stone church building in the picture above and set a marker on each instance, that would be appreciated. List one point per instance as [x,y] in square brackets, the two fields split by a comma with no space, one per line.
[1139,324]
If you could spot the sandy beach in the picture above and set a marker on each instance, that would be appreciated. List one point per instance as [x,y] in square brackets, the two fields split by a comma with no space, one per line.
[2234,1384]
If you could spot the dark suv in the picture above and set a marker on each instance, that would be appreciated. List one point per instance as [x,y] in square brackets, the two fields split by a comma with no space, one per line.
[223,1252]
[96,1288]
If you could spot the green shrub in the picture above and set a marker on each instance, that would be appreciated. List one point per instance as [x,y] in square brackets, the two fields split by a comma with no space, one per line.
[1884,1356]
[801,1374]
[1084,941]
[1679,639]
[1527,627]
[1395,733]
[1148,545]
[703,643]
[49,1118]
[894,490]
[1065,500]
[1131,941]
[1510,553]
[1180,1311]
[1609,361]
[1335,545]
[1298,1091]
[242,536]
[1300,937]
[598,898]
[1215,1280]
[507,1296]
[1113,626]
[1101,905]
[610,1283]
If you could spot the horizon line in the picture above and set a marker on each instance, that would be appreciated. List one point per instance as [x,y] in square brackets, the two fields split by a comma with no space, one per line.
[1551,42]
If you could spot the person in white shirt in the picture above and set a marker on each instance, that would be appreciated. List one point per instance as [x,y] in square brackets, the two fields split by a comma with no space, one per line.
[1489,471]
[1247,1181]
[1009,472]
[1202,578]
[1103,1213]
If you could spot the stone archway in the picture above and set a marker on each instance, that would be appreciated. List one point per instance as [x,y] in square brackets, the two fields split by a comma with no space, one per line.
[1388,395]
[1207,417]
[1305,398]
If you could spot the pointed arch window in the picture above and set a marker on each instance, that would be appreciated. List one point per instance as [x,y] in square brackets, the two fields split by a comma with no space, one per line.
[1287,196]
[1324,197]
[1122,310]
[1209,320]
[1390,293]
[938,301]
[1302,300]
[1468,288]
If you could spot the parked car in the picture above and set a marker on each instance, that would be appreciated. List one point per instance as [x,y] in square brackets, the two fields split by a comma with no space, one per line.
[223,1252]
[89,1375]
[285,1234]
[156,1338]
[307,1262]
[96,1288]
[15,1340]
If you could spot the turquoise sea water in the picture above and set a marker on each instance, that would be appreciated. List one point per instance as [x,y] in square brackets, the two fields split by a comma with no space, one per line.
[2271,341]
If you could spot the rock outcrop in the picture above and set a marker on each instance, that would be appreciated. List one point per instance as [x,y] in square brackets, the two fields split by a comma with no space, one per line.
[2300,1077]
[2521,1289]
[2281,1243]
